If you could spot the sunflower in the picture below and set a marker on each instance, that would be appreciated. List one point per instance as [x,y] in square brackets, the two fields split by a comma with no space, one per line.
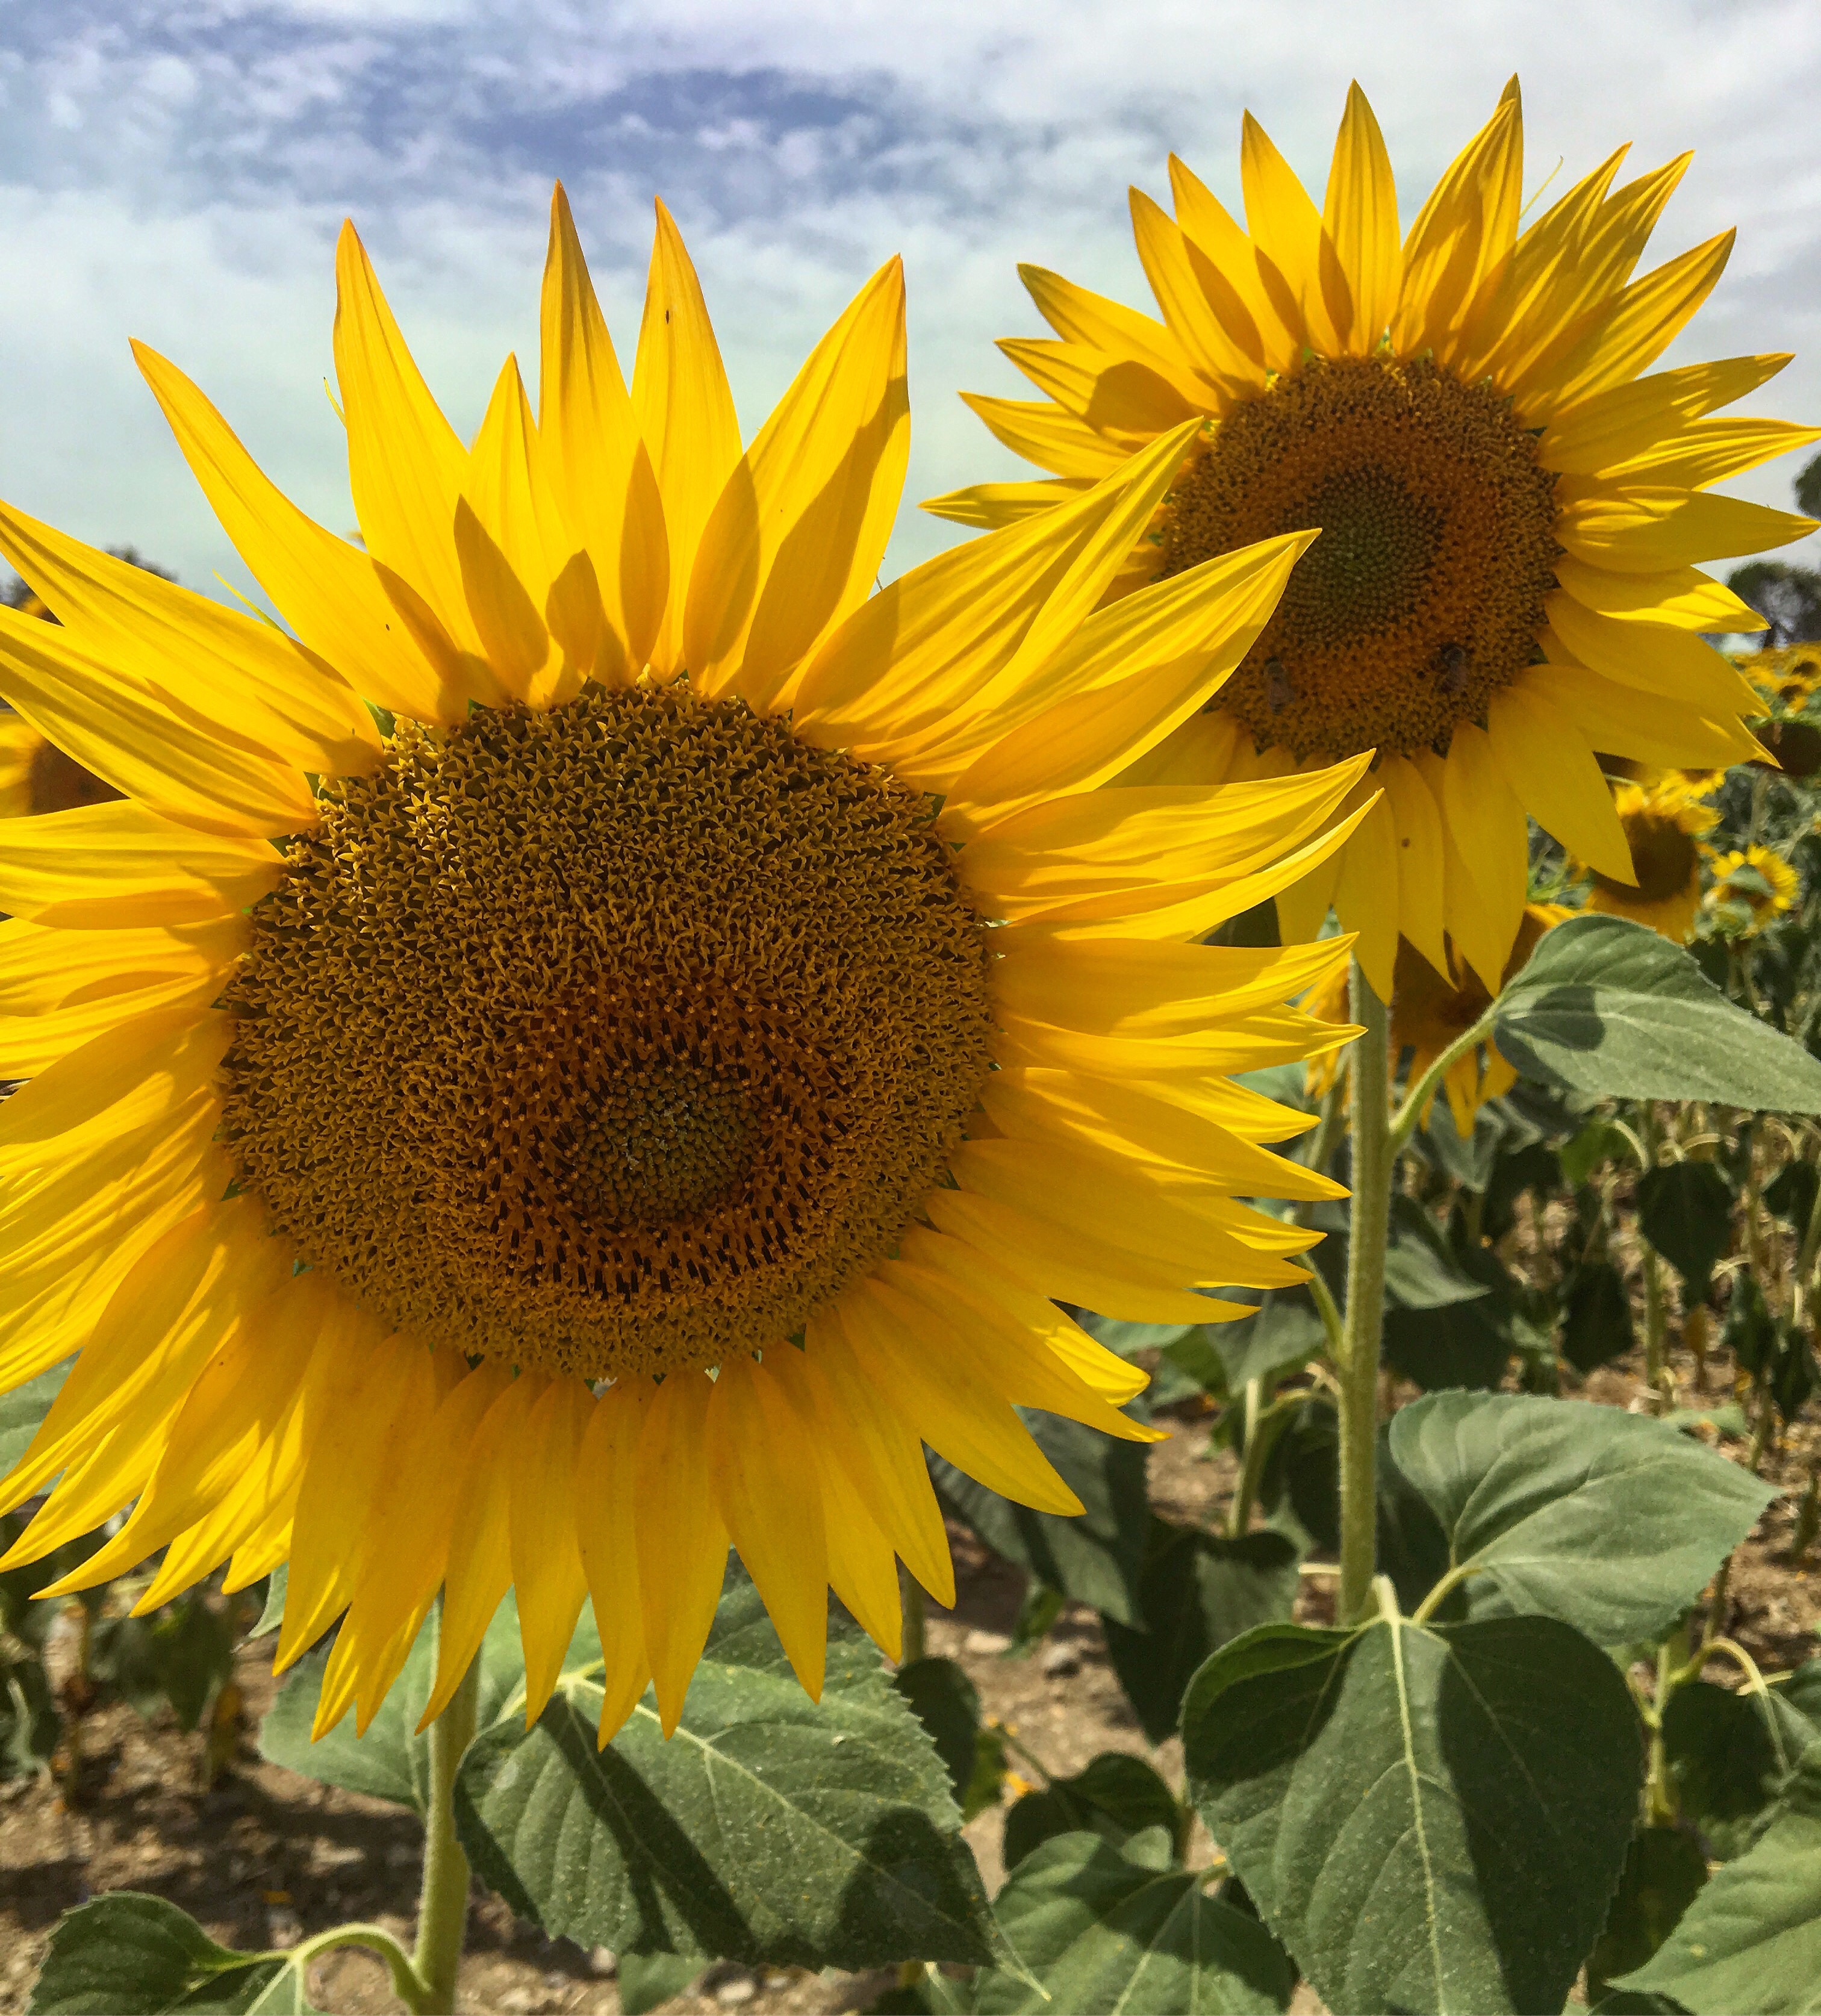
[1789,676]
[1665,824]
[1757,884]
[1510,513]
[1428,1013]
[621,1085]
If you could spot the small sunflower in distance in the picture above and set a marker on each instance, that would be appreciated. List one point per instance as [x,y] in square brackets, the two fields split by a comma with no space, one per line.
[1511,515]
[626,1088]
[1665,824]
[1752,886]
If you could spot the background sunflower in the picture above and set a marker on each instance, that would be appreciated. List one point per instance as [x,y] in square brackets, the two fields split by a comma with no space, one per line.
[1512,515]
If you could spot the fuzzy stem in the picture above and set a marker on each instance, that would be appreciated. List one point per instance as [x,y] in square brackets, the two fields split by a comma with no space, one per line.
[1365,1319]
[442,1909]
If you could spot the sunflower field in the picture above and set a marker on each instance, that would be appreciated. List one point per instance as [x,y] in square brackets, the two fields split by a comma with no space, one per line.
[1085,1283]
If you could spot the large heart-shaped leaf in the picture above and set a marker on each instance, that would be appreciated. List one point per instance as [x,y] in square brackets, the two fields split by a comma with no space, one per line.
[1115,1796]
[1731,1751]
[1609,1521]
[1103,1929]
[1430,1817]
[127,1954]
[1092,1557]
[1605,1006]
[1752,1938]
[768,1829]
[391,1761]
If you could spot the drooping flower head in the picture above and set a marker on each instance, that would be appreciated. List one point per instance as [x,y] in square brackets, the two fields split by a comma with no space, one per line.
[610,1036]
[1512,515]
[1665,824]
[1429,1013]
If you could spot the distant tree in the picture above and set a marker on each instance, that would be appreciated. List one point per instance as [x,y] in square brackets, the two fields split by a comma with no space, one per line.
[1809,488]
[1788,598]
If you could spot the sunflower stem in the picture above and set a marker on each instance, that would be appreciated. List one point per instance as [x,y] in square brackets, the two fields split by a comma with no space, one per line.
[1416,1103]
[442,1908]
[916,1627]
[1365,1318]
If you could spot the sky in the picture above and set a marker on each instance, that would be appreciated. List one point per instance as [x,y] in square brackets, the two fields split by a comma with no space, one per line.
[178,172]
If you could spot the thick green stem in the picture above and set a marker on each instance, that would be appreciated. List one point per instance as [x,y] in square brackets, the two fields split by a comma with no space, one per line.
[1365,1318]
[916,1630]
[1660,1805]
[377,1940]
[442,1908]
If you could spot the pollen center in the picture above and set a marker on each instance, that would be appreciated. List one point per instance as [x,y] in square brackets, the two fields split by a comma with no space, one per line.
[1424,593]
[609,1039]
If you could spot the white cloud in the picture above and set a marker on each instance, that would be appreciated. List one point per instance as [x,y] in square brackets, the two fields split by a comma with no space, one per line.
[178,172]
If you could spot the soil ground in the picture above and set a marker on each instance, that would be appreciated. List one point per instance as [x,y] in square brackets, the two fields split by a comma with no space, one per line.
[266,1856]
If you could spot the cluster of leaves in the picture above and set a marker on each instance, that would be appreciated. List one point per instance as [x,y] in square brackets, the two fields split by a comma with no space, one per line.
[1521,1767]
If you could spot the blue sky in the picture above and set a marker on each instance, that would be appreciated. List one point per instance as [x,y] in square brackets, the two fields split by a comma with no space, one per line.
[178,171]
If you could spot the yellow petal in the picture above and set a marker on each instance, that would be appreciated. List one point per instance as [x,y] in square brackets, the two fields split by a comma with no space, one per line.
[597,459]
[1557,780]
[30,1044]
[914,656]
[1117,397]
[989,507]
[1660,659]
[546,1556]
[1139,989]
[1360,217]
[1635,528]
[1487,824]
[797,539]
[1416,821]
[246,677]
[1629,337]
[764,1481]
[607,1500]
[1365,895]
[1465,228]
[1088,738]
[1295,257]
[1225,264]
[117,864]
[170,756]
[1681,596]
[1614,724]
[682,1543]
[1703,451]
[685,414]
[1628,420]
[404,465]
[1094,322]
[480,1565]
[1170,265]
[326,589]
[1047,434]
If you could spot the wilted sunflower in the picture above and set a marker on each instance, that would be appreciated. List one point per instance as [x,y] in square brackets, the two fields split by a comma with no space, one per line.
[633,1087]
[1759,884]
[1664,824]
[1509,512]
[1428,1013]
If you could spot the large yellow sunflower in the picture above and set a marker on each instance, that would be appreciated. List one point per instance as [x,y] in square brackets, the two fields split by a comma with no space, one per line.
[626,1089]
[1510,513]
[1665,823]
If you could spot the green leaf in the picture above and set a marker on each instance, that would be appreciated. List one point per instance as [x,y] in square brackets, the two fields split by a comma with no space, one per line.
[1752,1938]
[1790,1194]
[1685,1211]
[1665,1870]
[947,1703]
[1598,1141]
[1731,1753]
[391,1761]
[1607,1520]
[1115,1796]
[644,1980]
[23,1409]
[769,1829]
[1102,1930]
[1607,1007]
[1596,1315]
[127,1954]
[1093,1557]
[273,1614]
[1285,1335]
[1429,1817]
[1198,1590]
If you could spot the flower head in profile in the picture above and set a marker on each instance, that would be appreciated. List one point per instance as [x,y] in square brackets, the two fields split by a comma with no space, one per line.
[1752,886]
[1665,825]
[608,1036]
[1429,1013]
[1513,513]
